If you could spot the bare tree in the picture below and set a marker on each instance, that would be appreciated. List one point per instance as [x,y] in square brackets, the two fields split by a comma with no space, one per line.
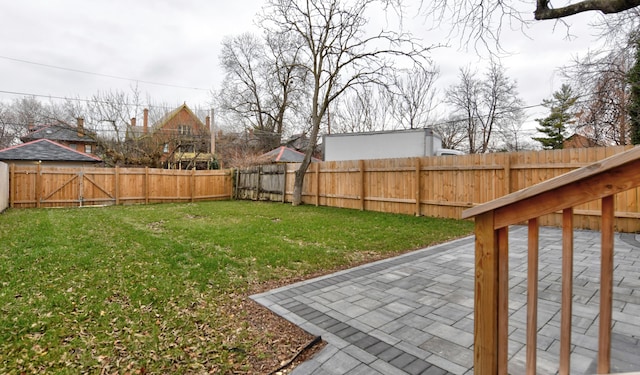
[483,22]
[452,132]
[465,99]
[511,135]
[262,80]
[411,98]
[17,117]
[242,58]
[601,80]
[336,52]
[485,105]
[7,127]
[361,110]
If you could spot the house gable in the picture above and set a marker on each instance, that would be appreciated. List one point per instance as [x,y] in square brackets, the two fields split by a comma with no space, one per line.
[180,122]
[185,140]
[579,141]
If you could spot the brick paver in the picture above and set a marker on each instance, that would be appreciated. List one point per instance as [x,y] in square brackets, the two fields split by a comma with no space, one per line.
[413,314]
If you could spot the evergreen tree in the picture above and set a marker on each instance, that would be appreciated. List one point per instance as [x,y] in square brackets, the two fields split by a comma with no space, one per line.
[555,125]
[634,100]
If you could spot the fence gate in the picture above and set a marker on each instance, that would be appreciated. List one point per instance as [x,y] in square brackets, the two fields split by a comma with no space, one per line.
[262,182]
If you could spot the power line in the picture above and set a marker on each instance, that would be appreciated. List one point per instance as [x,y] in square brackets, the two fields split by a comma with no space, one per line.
[25,94]
[102,75]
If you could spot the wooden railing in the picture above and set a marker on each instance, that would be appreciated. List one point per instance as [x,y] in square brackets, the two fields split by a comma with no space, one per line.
[600,180]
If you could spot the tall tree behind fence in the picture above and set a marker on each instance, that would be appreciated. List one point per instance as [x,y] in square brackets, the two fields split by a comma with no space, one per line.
[37,186]
[445,186]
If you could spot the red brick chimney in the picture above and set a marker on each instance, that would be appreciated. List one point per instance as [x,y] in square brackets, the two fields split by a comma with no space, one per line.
[145,121]
[80,127]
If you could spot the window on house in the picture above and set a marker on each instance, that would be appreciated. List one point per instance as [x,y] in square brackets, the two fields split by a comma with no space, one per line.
[184,130]
[165,148]
[87,149]
[72,146]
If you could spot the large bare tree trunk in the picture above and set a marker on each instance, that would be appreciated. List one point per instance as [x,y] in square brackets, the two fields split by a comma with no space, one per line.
[308,155]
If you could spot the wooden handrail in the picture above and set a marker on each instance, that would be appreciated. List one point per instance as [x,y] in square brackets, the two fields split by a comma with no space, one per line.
[600,180]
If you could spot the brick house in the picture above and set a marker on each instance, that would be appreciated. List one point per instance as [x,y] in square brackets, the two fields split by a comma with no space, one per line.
[183,139]
[73,137]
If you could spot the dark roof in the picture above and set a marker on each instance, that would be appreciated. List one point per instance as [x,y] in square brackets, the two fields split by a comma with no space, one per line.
[285,154]
[45,150]
[59,132]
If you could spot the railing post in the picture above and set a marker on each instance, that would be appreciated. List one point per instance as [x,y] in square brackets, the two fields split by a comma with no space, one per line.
[486,297]
[503,300]
[606,286]
[567,291]
[532,297]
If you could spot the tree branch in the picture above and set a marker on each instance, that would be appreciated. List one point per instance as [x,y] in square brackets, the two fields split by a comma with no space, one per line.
[543,12]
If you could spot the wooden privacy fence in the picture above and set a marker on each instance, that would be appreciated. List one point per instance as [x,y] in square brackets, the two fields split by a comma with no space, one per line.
[444,186]
[262,182]
[37,186]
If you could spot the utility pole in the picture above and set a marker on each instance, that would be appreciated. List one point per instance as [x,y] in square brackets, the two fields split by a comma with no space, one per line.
[213,132]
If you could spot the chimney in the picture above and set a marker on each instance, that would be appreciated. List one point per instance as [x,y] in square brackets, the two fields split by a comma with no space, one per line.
[133,122]
[145,121]
[80,127]
[30,126]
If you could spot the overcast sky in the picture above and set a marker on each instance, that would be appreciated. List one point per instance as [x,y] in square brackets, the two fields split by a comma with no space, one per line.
[177,43]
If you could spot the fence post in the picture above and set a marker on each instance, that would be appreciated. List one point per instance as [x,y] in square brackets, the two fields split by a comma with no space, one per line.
[362,182]
[284,182]
[417,186]
[117,185]
[317,184]
[237,180]
[259,183]
[146,185]
[507,174]
[12,185]
[193,184]
[38,185]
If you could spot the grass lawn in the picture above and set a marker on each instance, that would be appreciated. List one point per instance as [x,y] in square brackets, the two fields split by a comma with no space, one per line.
[163,288]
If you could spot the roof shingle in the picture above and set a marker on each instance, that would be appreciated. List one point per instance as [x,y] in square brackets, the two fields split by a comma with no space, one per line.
[45,150]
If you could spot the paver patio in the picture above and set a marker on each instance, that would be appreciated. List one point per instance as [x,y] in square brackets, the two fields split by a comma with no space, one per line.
[413,314]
